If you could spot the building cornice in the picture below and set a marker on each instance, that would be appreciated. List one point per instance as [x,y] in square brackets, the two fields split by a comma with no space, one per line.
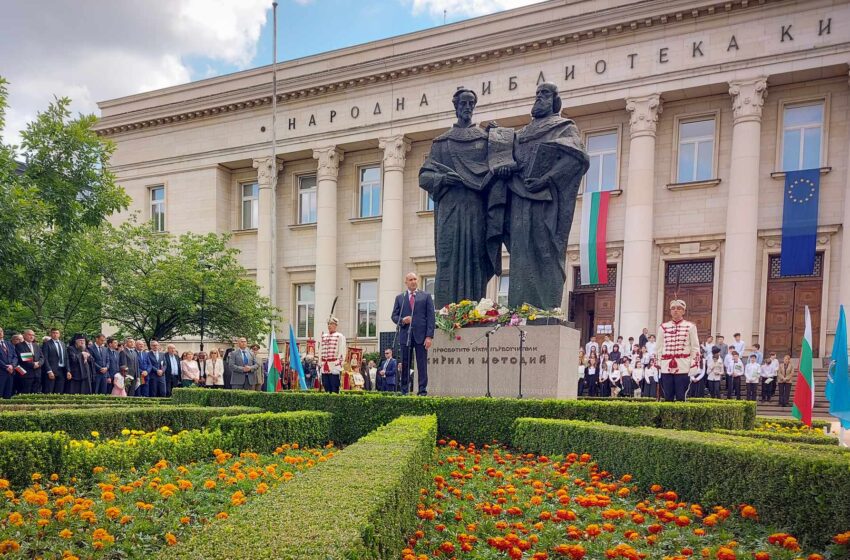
[548,35]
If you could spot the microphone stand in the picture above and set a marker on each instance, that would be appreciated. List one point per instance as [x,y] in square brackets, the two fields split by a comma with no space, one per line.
[522,335]
[397,388]
[487,335]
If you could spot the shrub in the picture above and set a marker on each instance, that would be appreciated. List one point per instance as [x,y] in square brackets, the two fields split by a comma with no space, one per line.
[359,505]
[479,420]
[110,421]
[804,489]
[791,422]
[79,399]
[263,433]
[25,453]
[815,438]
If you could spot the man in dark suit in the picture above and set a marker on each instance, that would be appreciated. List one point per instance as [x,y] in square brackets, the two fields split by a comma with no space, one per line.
[172,369]
[387,372]
[113,362]
[30,360]
[156,376]
[413,312]
[143,389]
[80,367]
[100,358]
[56,364]
[8,365]
[128,362]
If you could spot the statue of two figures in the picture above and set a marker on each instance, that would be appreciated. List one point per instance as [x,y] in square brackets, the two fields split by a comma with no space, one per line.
[499,185]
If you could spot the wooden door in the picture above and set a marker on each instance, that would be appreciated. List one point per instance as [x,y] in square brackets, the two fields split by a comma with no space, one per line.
[604,309]
[598,301]
[787,298]
[692,282]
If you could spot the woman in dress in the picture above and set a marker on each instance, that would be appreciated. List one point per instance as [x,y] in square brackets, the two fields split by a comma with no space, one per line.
[118,389]
[626,377]
[190,373]
[582,367]
[215,370]
[591,376]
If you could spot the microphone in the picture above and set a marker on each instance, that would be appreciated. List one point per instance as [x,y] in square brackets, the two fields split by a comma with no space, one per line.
[494,329]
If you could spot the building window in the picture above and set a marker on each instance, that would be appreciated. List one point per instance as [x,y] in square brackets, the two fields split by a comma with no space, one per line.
[307,199]
[250,205]
[802,136]
[305,309]
[602,174]
[429,202]
[427,284]
[158,208]
[370,192]
[367,308]
[504,286]
[696,151]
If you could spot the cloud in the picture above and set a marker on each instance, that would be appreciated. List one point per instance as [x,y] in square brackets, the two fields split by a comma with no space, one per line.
[456,9]
[91,51]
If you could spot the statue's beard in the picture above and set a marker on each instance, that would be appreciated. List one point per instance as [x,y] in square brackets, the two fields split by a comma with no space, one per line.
[541,109]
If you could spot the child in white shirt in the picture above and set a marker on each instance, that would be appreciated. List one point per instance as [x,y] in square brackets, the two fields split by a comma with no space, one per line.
[752,373]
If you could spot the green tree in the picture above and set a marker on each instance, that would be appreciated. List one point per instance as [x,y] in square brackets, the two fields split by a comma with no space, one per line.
[61,198]
[153,282]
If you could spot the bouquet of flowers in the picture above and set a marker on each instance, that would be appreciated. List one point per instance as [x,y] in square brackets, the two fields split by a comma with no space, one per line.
[455,316]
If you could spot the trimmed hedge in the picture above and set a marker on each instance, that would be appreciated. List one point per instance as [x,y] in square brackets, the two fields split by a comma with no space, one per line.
[359,505]
[792,422]
[79,423]
[39,398]
[25,453]
[479,420]
[804,489]
[263,433]
[817,438]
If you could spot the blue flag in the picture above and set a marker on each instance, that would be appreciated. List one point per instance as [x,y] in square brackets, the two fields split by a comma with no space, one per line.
[295,360]
[838,378]
[799,222]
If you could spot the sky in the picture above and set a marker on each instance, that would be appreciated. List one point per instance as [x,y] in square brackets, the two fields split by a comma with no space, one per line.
[94,50]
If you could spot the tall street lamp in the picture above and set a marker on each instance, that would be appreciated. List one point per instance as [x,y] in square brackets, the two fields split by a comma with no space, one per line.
[206,267]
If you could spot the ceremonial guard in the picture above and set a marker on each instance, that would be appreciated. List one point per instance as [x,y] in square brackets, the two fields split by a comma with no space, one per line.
[678,349]
[332,352]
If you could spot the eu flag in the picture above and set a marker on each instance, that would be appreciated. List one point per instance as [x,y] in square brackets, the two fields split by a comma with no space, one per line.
[800,222]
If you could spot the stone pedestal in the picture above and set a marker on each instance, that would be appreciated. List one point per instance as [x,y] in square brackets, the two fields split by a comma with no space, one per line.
[458,367]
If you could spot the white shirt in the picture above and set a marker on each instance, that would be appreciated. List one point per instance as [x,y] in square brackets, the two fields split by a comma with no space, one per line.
[737,369]
[591,346]
[727,363]
[752,372]
[651,374]
[609,345]
[715,369]
[625,349]
[637,373]
[738,346]
[650,347]
[768,370]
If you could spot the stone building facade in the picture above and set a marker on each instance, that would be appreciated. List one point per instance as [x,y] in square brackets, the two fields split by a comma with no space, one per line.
[691,109]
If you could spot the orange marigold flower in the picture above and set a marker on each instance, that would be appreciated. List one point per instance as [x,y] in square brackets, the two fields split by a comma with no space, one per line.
[170,539]
[9,546]
[221,515]
[447,547]
[842,538]
[112,512]
[725,553]
[16,519]
[761,556]
[749,512]
[184,520]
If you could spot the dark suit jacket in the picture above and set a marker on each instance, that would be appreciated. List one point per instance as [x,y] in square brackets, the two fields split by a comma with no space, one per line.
[51,356]
[423,321]
[80,369]
[100,356]
[37,356]
[112,360]
[8,356]
[175,371]
[389,367]
[156,361]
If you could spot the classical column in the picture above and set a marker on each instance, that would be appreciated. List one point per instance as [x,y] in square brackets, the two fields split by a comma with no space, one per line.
[738,302]
[640,193]
[326,237]
[266,262]
[390,281]
[844,293]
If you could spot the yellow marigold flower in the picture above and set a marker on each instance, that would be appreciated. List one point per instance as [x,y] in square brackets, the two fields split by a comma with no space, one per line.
[170,539]
[4,484]
[66,533]
[125,432]
[36,477]
[9,546]
[68,556]
[95,434]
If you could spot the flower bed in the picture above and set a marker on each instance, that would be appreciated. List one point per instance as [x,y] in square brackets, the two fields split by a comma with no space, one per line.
[358,506]
[802,487]
[478,419]
[491,503]
[133,515]
[787,425]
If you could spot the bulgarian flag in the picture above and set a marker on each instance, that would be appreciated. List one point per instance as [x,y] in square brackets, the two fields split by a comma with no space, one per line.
[804,394]
[594,220]
[275,367]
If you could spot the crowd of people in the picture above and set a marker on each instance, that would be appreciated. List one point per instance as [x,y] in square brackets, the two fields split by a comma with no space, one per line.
[618,368]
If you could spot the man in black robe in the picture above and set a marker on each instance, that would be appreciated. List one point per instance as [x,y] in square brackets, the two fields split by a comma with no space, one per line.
[541,194]
[456,175]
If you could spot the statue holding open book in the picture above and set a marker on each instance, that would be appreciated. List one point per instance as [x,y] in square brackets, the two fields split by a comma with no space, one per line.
[498,186]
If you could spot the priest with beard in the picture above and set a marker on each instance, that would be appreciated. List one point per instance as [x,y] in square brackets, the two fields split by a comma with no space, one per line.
[457,176]
[542,186]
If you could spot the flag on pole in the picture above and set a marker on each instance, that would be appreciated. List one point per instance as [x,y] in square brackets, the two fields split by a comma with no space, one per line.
[799,222]
[804,394]
[594,220]
[838,378]
[275,366]
[295,360]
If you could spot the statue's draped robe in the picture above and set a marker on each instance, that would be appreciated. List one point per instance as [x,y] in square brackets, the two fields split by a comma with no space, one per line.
[463,265]
[537,225]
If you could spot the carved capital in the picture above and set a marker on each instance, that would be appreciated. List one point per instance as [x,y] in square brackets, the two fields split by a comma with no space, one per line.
[329,158]
[748,98]
[644,112]
[263,165]
[395,151]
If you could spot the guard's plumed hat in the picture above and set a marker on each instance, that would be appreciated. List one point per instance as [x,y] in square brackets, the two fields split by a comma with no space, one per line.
[334,320]
[678,303]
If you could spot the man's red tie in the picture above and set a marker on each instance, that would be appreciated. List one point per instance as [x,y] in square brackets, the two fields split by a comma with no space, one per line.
[412,300]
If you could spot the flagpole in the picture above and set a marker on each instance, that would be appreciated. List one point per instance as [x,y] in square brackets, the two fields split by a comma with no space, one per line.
[273,225]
